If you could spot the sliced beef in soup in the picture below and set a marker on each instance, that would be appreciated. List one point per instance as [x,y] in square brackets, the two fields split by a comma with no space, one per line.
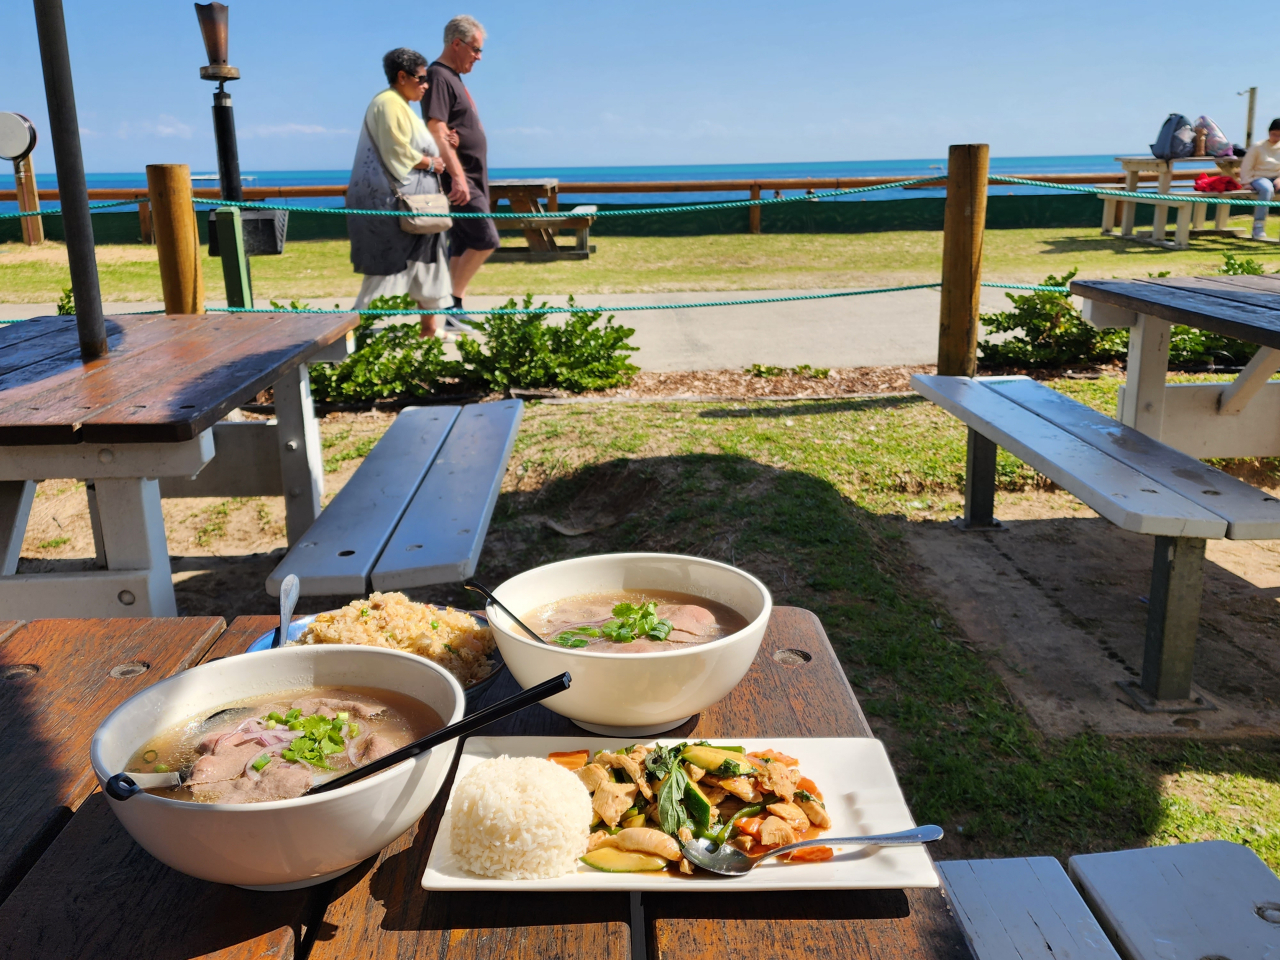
[330,708]
[689,622]
[278,780]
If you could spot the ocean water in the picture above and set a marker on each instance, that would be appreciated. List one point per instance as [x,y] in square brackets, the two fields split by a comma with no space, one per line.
[1092,163]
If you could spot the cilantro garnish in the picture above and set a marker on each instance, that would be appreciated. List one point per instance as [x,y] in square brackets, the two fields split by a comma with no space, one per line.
[320,738]
[628,622]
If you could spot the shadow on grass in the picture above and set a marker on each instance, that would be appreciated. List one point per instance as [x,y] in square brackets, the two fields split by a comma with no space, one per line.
[967,755]
[1209,246]
[803,409]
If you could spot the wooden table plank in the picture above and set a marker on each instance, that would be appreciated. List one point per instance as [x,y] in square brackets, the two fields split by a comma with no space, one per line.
[178,377]
[51,714]
[33,366]
[1253,324]
[1224,289]
[97,893]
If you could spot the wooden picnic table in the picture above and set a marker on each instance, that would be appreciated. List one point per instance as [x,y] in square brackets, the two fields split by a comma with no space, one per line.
[527,196]
[1133,166]
[137,425]
[1236,419]
[94,892]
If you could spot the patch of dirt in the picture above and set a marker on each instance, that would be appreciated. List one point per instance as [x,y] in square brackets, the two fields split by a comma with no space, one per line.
[741,385]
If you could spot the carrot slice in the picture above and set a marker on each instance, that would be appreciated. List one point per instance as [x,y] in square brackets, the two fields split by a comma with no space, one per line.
[775,755]
[810,854]
[571,760]
[808,786]
[751,826]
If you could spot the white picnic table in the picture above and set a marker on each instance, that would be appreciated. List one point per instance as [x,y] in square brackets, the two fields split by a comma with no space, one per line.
[1191,216]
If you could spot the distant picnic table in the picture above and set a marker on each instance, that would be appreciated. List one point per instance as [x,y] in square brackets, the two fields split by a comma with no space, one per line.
[1190,220]
[527,196]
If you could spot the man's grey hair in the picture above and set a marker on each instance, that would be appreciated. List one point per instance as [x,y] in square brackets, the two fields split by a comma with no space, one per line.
[462,28]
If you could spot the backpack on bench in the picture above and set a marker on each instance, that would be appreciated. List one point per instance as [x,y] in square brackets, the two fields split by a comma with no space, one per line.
[1177,139]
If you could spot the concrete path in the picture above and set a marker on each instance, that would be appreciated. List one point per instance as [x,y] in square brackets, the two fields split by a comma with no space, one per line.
[878,329]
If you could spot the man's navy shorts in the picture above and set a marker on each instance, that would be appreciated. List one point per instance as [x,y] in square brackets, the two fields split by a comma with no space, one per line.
[472,233]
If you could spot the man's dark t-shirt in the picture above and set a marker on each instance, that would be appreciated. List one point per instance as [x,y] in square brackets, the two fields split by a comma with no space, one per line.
[448,100]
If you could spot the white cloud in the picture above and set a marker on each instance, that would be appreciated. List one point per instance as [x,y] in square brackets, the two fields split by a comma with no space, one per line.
[292,130]
[165,126]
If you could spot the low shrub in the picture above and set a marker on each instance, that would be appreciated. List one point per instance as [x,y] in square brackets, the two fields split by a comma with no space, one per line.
[522,350]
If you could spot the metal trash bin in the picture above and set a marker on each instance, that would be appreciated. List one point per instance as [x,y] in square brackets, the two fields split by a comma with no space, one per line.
[264,232]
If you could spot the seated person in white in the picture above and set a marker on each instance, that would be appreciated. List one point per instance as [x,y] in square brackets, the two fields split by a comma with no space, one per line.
[1261,171]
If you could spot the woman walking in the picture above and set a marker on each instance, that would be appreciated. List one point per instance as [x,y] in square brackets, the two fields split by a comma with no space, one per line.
[395,144]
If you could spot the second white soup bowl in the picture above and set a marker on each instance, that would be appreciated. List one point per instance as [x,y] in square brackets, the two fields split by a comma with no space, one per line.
[633,694]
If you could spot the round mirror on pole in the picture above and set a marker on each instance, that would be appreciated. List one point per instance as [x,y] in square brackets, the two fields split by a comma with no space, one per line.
[17,137]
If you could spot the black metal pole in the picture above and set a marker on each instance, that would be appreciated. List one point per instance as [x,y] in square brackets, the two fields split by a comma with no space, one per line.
[73,192]
[224,132]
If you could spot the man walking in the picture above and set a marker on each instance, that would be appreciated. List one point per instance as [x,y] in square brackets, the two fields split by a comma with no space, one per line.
[452,118]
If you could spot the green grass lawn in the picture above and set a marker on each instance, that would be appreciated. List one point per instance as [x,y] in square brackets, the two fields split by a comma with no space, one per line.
[814,497]
[317,269]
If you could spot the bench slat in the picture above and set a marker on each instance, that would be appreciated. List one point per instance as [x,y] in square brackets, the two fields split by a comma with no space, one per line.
[364,514]
[440,536]
[1188,901]
[1251,514]
[1129,499]
[1022,909]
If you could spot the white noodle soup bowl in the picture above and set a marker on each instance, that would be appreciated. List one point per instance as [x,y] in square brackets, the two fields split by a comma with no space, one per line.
[278,844]
[632,694]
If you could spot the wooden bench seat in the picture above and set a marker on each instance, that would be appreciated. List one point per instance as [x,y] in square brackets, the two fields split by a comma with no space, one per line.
[417,509]
[1022,909]
[541,235]
[1134,481]
[1193,900]
[1190,217]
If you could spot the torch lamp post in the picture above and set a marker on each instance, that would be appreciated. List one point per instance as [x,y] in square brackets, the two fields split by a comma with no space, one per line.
[213,27]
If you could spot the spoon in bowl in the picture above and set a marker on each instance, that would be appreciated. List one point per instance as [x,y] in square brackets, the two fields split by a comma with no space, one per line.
[485,592]
[289,590]
[727,860]
[122,786]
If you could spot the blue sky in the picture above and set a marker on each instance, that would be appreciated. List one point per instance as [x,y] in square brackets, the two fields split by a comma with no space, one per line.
[572,83]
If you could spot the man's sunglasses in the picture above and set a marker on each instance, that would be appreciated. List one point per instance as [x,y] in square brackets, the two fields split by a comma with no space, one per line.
[476,50]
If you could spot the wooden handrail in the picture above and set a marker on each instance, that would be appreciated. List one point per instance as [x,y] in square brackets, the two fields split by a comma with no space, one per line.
[652,186]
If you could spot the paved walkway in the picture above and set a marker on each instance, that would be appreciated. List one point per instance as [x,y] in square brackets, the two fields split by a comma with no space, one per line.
[879,329]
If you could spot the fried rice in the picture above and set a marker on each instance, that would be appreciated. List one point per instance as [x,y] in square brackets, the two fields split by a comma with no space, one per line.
[447,637]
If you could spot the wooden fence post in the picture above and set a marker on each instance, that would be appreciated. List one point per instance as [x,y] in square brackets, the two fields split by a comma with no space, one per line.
[754,219]
[24,180]
[173,223]
[966,216]
[235,266]
[144,220]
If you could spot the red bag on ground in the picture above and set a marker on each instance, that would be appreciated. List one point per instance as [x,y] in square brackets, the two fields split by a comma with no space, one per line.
[1216,184]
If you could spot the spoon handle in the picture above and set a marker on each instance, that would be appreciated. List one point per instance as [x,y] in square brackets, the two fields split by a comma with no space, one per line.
[289,590]
[902,838]
[548,688]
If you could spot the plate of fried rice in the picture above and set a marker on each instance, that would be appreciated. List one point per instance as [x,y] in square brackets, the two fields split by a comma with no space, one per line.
[458,640]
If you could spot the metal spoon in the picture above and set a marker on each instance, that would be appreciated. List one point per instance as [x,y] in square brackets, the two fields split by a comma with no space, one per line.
[485,592]
[122,786]
[729,861]
[289,590]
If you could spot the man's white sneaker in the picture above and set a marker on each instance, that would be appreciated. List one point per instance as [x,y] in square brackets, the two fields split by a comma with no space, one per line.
[1259,231]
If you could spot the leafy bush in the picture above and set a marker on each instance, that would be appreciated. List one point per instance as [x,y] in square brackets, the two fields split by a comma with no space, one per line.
[523,350]
[394,361]
[67,303]
[1052,332]
[1248,267]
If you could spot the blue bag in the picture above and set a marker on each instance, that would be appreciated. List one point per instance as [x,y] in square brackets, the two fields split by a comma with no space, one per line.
[1177,139]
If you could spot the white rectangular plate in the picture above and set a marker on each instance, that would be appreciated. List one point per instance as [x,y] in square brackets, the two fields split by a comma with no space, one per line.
[857,784]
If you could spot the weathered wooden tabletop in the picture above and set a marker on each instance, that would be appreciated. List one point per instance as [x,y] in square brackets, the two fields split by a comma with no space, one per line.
[167,378]
[96,893]
[1247,308]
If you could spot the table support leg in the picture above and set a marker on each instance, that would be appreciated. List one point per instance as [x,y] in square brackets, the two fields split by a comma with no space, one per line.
[1143,403]
[1130,209]
[15,507]
[1161,215]
[133,538]
[980,484]
[1182,235]
[301,465]
[1108,216]
[1173,616]
[95,524]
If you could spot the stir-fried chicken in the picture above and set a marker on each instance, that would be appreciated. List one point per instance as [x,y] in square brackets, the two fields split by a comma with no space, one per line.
[793,815]
[816,812]
[611,800]
[776,832]
[742,788]
[778,778]
[632,769]
[694,773]
[592,775]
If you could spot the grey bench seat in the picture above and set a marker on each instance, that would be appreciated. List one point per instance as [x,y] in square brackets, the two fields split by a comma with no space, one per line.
[416,511]
[1134,481]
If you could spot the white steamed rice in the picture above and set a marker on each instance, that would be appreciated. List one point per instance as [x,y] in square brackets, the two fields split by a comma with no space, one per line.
[519,818]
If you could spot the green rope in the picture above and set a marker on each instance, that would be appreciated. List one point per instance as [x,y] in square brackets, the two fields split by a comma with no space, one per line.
[559,215]
[1128,194]
[57,212]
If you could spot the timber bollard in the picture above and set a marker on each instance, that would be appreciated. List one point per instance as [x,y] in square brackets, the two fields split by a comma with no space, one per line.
[24,180]
[753,217]
[965,220]
[173,224]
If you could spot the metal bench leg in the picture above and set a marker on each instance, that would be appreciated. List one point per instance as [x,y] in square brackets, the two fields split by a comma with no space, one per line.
[980,484]
[1177,578]
[15,507]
